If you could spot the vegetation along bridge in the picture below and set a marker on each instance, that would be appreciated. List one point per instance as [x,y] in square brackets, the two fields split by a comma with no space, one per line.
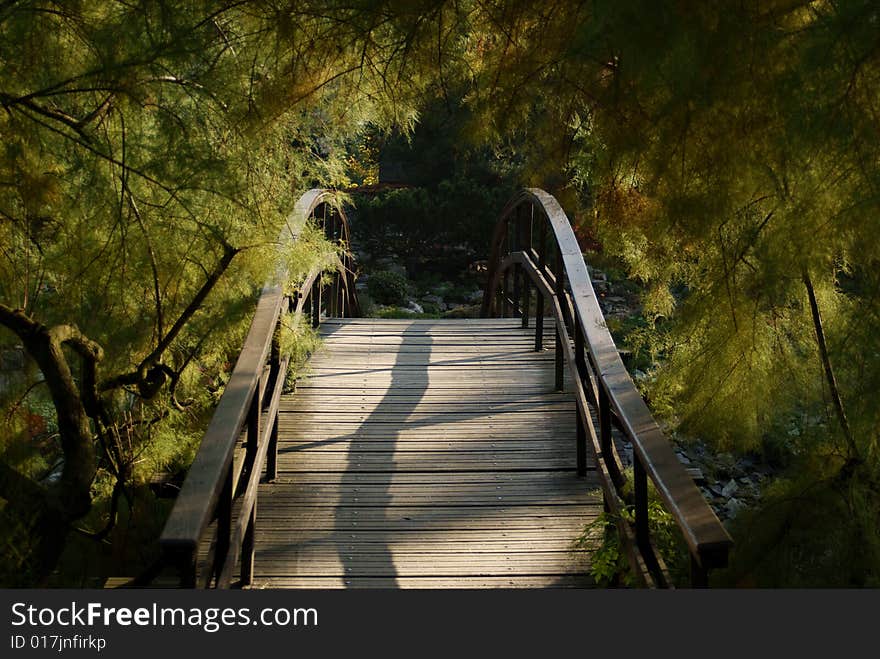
[434,453]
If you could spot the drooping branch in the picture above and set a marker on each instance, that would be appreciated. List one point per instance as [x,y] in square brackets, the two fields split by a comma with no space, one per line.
[160,321]
[147,377]
[829,371]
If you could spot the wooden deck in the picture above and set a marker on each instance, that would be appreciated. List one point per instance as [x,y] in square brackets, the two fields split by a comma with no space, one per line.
[426,454]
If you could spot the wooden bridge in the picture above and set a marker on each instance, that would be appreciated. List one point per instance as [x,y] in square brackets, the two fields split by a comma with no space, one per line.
[434,453]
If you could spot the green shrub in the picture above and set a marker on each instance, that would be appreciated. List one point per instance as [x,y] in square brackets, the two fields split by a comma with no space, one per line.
[387,287]
[609,565]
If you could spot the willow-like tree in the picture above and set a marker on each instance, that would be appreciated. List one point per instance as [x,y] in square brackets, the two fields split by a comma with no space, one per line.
[151,151]
[729,151]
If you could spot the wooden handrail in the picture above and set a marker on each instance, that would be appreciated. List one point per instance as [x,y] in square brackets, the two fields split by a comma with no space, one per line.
[216,482]
[559,275]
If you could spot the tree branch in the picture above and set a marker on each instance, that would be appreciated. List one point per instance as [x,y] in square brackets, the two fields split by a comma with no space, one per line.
[147,378]
[829,371]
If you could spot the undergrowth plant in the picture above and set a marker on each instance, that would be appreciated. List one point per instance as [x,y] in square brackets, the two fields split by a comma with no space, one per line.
[609,566]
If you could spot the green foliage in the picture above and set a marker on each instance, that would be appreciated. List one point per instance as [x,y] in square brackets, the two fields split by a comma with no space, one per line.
[609,565]
[298,340]
[311,252]
[151,154]
[726,152]
[386,287]
[816,528]
[455,212]
[455,187]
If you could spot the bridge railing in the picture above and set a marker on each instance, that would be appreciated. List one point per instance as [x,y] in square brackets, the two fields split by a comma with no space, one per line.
[535,247]
[212,526]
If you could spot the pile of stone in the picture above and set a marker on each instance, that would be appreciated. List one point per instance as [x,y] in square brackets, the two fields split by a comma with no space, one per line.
[729,483]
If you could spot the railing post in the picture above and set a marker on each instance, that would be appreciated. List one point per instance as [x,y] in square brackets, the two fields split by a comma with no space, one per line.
[253,427]
[539,296]
[581,367]
[605,437]
[272,451]
[524,241]
[247,547]
[581,442]
[559,362]
[505,288]
[224,525]
[640,496]
[560,299]
[276,379]
[579,358]
[316,302]
[517,270]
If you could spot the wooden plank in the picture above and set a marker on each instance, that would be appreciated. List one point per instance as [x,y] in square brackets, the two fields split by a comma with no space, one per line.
[469,444]
[550,479]
[528,581]
[421,452]
[429,513]
[501,563]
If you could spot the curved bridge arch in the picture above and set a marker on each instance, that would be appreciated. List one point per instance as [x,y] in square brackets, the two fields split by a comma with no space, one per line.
[535,255]
[534,244]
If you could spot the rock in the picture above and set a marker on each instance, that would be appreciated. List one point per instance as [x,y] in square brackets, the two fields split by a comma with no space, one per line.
[683,459]
[696,474]
[414,307]
[733,507]
[730,489]
[475,296]
[725,465]
[432,299]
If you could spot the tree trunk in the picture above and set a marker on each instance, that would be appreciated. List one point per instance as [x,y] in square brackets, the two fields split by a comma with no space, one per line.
[49,512]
